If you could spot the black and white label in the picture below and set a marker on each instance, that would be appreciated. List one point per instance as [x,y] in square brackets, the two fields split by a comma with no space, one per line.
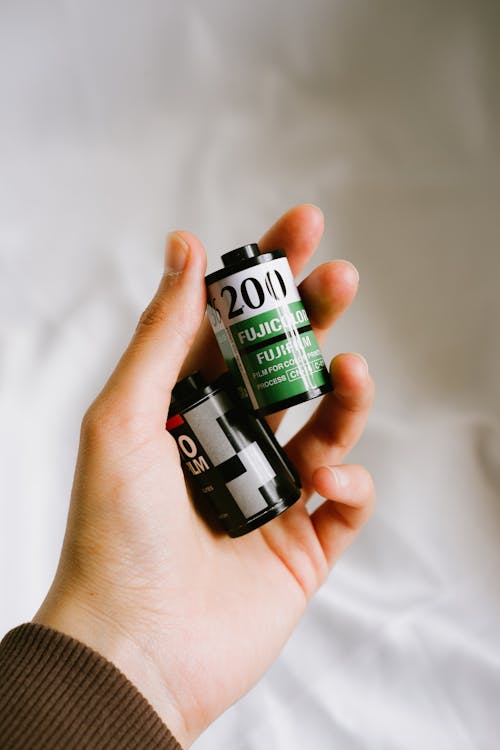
[247,293]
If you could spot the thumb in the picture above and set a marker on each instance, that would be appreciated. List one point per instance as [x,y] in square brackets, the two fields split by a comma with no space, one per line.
[147,371]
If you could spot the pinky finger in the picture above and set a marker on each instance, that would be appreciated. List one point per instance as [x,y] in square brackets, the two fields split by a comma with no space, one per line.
[351,500]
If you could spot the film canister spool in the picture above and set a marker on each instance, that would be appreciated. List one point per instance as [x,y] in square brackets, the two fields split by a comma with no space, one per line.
[264,332]
[230,456]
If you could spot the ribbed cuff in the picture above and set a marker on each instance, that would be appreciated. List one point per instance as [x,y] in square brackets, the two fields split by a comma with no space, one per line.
[58,694]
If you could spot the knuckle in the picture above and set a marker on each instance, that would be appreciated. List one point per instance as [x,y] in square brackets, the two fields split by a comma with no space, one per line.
[101,421]
[91,427]
[111,420]
[94,420]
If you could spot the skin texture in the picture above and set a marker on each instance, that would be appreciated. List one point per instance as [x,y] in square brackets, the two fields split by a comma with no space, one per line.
[192,617]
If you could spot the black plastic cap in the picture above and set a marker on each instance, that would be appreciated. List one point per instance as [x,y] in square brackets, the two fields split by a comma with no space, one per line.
[241,253]
[188,387]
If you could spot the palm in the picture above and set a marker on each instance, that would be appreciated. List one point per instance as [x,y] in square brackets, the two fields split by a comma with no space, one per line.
[237,600]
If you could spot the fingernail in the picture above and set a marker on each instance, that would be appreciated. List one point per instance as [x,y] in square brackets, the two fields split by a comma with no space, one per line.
[316,208]
[340,475]
[351,265]
[177,253]
[363,360]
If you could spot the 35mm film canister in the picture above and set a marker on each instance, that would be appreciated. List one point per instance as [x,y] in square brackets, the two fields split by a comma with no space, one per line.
[229,455]
[263,330]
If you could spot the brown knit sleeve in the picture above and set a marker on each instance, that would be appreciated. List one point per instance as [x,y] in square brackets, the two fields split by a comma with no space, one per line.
[58,694]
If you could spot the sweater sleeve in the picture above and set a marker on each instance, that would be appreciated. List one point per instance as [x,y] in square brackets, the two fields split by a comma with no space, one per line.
[58,694]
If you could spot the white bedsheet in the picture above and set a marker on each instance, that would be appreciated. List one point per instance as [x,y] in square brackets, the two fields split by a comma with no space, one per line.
[120,121]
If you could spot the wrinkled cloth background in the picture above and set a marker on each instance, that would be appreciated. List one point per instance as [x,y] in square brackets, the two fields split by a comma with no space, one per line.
[121,121]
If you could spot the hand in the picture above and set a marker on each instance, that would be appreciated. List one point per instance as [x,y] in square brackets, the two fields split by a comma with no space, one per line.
[192,617]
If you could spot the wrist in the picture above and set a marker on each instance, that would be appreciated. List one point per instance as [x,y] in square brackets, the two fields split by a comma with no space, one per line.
[84,623]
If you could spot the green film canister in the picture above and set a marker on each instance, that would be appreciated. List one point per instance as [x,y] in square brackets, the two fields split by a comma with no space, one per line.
[264,332]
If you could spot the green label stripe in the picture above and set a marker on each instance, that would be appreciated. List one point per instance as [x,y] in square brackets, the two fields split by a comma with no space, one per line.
[285,369]
[279,354]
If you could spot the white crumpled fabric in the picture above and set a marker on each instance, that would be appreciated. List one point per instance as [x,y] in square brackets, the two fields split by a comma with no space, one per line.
[120,121]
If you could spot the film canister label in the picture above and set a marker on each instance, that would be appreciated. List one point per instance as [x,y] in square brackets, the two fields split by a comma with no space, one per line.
[265,335]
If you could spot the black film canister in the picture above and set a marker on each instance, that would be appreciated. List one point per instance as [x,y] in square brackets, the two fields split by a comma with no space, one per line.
[230,456]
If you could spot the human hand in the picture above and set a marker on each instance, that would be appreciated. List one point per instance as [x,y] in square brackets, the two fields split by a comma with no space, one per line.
[192,617]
